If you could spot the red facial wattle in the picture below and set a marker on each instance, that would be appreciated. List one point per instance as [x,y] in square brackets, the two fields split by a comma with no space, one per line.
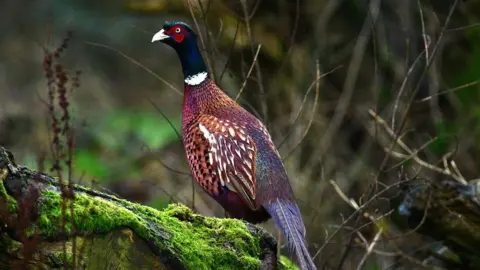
[178,37]
[177,33]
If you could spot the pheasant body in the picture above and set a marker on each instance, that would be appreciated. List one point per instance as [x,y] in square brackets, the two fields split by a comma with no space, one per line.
[207,107]
[230,152]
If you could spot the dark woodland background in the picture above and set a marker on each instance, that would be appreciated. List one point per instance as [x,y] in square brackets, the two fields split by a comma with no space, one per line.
[414,63]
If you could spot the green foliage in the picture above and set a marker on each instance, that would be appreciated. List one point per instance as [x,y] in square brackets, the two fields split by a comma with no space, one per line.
[372,266]
[90,163]
[461,71]
[149,127]
[445,131]
[468,70]
[120,131]
[159,202]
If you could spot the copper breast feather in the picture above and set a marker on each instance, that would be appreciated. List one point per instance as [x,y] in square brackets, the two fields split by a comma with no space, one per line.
[226,155]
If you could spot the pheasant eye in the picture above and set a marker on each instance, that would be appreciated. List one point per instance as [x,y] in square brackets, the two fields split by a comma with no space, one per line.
[177,30]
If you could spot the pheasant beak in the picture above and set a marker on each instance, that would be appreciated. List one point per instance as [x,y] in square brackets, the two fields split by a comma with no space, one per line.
[160,35]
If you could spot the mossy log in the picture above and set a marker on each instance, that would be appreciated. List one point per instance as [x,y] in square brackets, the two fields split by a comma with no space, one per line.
[448,212]
[89,229]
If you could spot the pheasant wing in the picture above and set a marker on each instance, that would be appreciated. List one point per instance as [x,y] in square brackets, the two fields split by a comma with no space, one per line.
[232,153]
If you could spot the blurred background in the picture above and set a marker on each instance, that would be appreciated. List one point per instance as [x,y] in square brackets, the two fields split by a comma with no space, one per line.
[414,63]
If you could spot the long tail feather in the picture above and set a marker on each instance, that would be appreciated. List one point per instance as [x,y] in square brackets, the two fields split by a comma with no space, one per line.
[287,217]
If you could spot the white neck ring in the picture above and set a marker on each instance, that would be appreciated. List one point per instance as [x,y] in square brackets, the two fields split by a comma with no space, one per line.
[196,79]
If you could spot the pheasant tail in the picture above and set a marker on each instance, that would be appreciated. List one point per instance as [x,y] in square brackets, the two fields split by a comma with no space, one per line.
[287,217]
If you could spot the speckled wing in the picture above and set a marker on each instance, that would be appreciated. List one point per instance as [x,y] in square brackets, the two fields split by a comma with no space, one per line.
[232,153]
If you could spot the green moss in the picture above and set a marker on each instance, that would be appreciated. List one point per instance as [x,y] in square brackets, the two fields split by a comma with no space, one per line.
[199,242]
[10,201]
[202,242]
[285,263]
[226,243]
[57,259]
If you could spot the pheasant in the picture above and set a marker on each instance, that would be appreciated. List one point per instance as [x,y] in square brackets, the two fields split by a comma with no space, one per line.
[229,151]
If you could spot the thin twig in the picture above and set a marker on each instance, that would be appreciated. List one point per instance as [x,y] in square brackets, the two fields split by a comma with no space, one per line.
[254,9]
[136,63]
[426,44]
[208,40]
[257,64]
[410,153]
[449,91]
[300,110]
[202,42]
[145,146]
[230,51]
[414,94]
[403,87]
[166,118]
[351,79]
[374,220]
[370,248]
[249,72]
[292,37]
[414,153]
[463,27]
[312,113]
[374,197]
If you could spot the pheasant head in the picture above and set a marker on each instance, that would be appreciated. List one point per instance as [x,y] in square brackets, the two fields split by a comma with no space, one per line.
[183,40]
